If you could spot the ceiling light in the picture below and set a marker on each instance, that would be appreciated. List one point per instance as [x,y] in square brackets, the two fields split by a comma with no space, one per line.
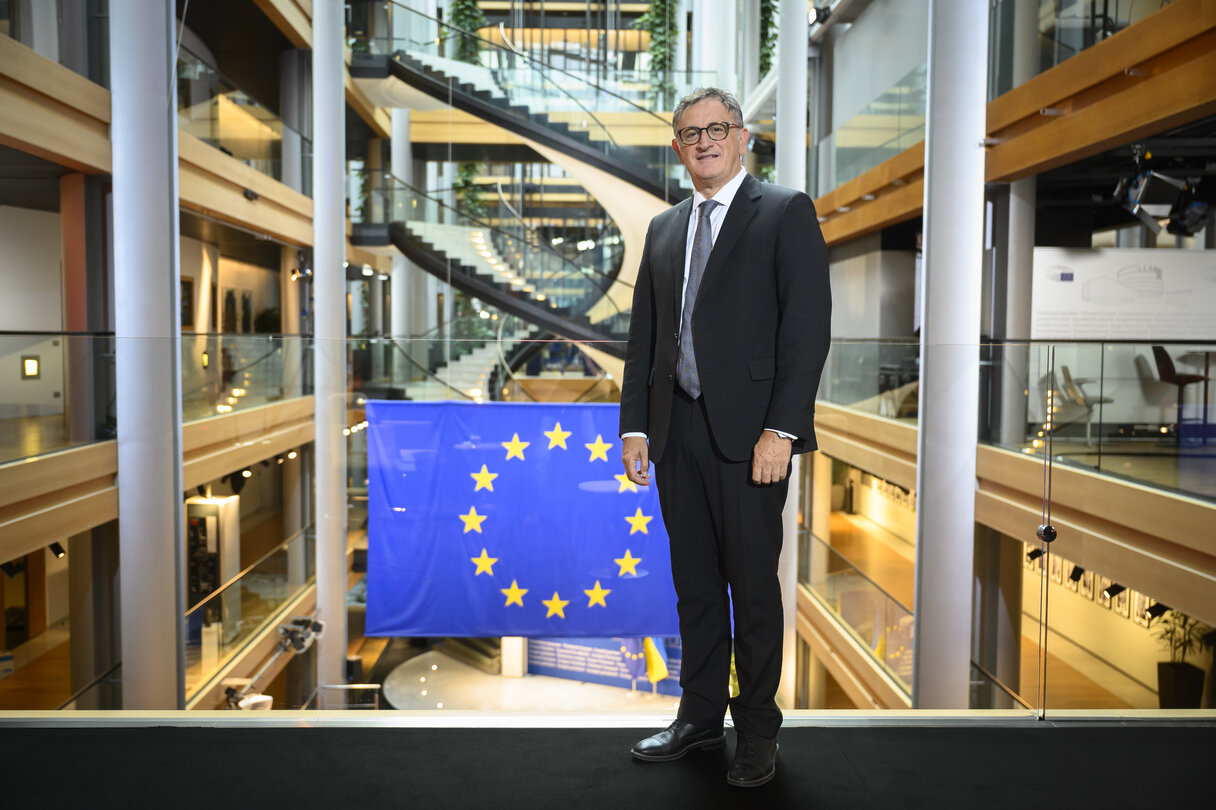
[1035,554]
[1077,573]
[246,473]
[1156,610]
[58,550]
[1113,590]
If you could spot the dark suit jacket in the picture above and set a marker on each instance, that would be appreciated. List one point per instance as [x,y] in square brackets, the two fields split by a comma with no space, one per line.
[761,325]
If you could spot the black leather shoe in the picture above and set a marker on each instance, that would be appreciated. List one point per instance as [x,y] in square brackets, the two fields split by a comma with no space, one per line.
[754,762]
[677,740]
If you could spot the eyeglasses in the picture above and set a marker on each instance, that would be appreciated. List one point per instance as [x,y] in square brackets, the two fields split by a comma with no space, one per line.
[717,131]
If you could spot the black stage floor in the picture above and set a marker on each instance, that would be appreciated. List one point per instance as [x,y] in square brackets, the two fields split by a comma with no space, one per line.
[1024,765]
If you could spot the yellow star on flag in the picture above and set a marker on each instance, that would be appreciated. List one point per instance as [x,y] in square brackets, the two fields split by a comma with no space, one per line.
[472,521]
[598,448]
[484,479]
[626,484]
[484,563]
[596,595]
[628,563]
[515,448]
[638,522]
[515,594]
[556,605]
[557,437]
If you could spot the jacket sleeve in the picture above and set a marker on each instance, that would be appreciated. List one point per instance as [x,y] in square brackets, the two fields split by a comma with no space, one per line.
[639,353]
[804,304]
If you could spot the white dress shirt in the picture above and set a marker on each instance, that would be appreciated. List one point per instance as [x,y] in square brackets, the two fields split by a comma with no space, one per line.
[724,197]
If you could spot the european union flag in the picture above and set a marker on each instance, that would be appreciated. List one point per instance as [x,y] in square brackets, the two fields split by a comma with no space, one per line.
[506,519]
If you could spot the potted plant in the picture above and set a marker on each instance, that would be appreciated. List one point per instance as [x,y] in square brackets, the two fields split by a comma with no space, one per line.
[1180,684]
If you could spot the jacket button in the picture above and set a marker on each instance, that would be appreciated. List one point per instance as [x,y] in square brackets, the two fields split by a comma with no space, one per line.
[675,336]
[671,378]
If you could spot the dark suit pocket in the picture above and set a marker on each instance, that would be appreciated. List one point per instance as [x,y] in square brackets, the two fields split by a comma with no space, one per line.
[762,368]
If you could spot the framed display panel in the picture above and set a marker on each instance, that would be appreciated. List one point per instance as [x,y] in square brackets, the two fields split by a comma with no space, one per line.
[1121,602]
[1069,582]
[1055,569]
[1140,605]
[1101,597]
[1085,586]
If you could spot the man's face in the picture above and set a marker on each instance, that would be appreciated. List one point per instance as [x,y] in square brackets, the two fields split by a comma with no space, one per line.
[710,163]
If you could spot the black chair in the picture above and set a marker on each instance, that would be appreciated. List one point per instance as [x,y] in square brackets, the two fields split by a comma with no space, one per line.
[1167,374]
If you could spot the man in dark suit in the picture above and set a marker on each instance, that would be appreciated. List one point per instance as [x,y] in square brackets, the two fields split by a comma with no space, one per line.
[727,339]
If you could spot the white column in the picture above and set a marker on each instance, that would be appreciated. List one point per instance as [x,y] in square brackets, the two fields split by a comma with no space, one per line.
[726,48]
[791,172]
[792,94]
[1019,258]
[749,48]
[329,236]
[949,378]
[148,363]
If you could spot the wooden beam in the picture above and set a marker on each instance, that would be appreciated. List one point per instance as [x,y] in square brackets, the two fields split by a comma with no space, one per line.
[214,184]
[292,17]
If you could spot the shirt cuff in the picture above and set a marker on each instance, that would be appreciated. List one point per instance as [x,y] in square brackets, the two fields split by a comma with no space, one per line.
[627,435]
[783,434]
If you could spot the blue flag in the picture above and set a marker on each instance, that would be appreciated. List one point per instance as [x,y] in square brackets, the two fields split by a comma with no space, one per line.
[509,519]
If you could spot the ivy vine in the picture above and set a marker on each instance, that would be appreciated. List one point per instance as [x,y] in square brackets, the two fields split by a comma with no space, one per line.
[466,15]
[468,193]
[768,35]
[659,21]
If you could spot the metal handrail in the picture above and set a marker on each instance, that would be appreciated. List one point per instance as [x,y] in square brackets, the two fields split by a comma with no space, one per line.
[1001,685]
[76,695]
[255,564]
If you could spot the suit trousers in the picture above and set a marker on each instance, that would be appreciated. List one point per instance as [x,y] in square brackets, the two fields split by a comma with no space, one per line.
[725,532]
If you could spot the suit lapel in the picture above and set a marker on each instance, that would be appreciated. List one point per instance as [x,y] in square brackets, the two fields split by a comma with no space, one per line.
[679,246]
[742,209]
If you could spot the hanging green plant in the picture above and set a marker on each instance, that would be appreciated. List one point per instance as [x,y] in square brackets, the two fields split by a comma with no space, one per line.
[768,35]
[468,193]
[467,17]
[659,21]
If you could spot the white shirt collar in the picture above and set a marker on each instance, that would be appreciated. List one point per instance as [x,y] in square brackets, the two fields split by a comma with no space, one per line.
[725,194]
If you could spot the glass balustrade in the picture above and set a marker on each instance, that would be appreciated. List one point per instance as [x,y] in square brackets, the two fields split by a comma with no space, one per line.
[72,36]
[103,694]
[516,261]
[221,624]
[217,112]
[57,393]
[1137,411]
[879,622]
[222,373]
[891,123]
[632,127]
[873,376]
[1056,31]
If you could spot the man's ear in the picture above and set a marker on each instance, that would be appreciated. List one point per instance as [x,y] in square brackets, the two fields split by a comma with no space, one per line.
[675,148]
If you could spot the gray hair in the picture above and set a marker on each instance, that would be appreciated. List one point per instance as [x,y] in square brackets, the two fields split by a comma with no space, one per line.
[703,93]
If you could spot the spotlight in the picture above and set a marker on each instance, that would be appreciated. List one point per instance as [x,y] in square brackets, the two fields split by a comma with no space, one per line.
[265,462]
[819,15]
[58,550]
[250,194]
[1034,555]
[1156,610]
[1209,638]
[1113,590]
[291,454]
[236,482]
[1077,573]
[246,473]
[10,568]
[278,459]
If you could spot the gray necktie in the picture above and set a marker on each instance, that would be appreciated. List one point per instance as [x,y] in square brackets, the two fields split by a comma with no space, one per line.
[702,244]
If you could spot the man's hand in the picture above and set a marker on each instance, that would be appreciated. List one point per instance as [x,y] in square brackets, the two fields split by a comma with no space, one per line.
[635,454]
[770,458]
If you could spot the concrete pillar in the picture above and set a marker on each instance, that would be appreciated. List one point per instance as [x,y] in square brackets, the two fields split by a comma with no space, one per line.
[726,47]
[749,47]
[787,573]
[93,603]
[294,102]
[792,94]
[998,606]
[291,282]
[148,364]
[949,378]
[329,242]
[1019,256]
